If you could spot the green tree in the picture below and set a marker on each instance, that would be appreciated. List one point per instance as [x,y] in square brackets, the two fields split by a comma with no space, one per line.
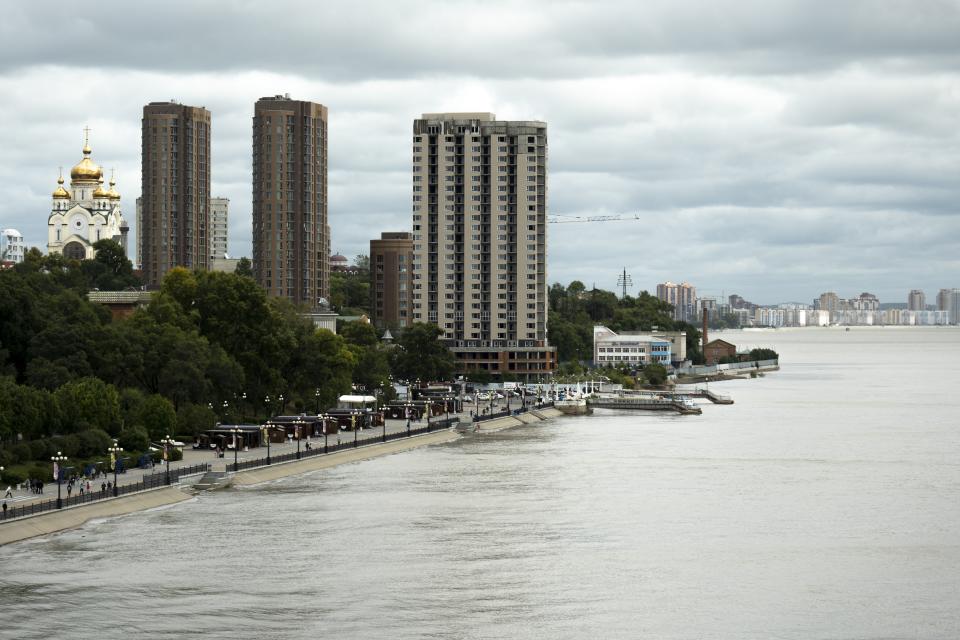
[158,416]
[193,419]
[89,403]
[244,268]
[134,439]
[421,356]
[655,373]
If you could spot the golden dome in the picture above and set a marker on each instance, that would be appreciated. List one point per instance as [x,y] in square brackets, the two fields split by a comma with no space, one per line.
[100,191]
[86,170]
[60,192]
[113,193]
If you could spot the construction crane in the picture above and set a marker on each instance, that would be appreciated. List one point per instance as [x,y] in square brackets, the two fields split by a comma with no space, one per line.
[605,218]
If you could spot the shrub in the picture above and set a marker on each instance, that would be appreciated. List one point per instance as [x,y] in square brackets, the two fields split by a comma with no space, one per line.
[21,452]
[93,442]
[12,476]
[134,439]
[40,449]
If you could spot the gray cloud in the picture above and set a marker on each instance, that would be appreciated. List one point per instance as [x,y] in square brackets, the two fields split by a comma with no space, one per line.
[773,148]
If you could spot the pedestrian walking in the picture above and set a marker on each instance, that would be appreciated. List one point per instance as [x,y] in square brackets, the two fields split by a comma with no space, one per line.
[9,493]
[103,487]
[69,489]
[109,485]
[88,486]
[4,508]
[81,488]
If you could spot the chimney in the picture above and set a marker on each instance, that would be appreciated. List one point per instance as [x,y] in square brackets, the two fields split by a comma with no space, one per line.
[704,330]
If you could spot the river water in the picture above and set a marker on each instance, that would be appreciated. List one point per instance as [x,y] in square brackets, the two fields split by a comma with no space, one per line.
[825,503]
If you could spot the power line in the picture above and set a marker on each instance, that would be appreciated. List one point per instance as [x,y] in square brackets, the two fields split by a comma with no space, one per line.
[623,281]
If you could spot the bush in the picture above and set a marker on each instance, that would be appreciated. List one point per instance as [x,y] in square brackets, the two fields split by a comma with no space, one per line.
[6,458]
[655,373]
[40,449]
[134,439]
[764,354]
[176,454]
[93,442]
[11,477]
[21,452]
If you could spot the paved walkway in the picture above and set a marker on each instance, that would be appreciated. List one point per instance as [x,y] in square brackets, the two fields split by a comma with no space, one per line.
[196,456]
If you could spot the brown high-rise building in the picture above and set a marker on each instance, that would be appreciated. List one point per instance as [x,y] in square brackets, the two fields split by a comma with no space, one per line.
[391,262]
[175,217]
[291,237]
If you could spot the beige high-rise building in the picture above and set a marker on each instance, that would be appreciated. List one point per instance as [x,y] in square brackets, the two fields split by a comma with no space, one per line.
[682,296]
[175,216]
[479,239]
[218,227]
[916,300]
[291,237]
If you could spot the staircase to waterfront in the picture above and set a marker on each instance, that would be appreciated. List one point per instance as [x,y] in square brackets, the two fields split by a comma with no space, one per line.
[213,480]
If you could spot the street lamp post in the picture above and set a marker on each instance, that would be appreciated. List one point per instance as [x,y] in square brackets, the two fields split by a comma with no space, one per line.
[167,442]
[299,425]
[317,396]
[236,431]
[226,408]
[59,459]
[281,404]
[115,450]
[269,425]
[266,404]
[353,423]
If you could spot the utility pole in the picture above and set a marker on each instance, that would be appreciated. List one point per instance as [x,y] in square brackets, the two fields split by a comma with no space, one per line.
[623,281]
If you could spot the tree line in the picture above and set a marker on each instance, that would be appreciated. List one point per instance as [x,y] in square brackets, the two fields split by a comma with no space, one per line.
[208,347]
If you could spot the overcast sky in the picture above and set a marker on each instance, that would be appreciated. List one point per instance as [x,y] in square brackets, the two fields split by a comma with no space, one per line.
[774,149]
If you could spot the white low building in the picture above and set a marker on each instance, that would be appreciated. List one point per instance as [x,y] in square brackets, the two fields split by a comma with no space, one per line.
[628,348]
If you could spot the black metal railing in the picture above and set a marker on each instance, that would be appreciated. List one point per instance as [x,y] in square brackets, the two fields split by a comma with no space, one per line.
[147,482]
[374,435]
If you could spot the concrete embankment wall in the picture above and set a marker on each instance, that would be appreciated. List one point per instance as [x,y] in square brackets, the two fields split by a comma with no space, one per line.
[520,419]
[63,519]
[276,471]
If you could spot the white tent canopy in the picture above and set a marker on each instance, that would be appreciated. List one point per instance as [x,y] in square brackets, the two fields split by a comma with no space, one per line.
[357,399]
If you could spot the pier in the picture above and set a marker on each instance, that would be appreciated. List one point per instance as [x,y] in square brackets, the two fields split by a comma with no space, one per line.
[644,403]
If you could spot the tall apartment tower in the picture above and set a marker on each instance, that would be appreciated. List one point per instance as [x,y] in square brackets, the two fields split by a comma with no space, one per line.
[682,296]
[175,205]
[943,300]
[391,260]
[916,300]
[479,239]
[291,236]
[218,227]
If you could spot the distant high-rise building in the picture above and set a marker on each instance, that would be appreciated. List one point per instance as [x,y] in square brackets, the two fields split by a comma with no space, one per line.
[479,239]
[391,279]
[953,308]
[291,236]
[12,248]
[682,296]
[943,300]
[916,300]
[828,301]
[218,226]
[175,225]
[139,241]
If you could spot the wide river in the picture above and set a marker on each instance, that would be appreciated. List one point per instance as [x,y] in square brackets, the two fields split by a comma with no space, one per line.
[825,503]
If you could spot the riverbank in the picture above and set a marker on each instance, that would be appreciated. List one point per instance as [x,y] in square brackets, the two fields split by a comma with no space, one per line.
[507,422]
[277,471]
[64,519]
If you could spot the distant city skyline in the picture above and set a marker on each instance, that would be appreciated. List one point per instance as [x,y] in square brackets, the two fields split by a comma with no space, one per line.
[786,150]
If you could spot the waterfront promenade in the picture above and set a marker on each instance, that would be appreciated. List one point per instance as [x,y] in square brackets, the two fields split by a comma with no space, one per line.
[370,443]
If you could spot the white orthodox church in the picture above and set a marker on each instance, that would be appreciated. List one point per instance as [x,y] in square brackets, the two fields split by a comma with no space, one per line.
[86,213]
